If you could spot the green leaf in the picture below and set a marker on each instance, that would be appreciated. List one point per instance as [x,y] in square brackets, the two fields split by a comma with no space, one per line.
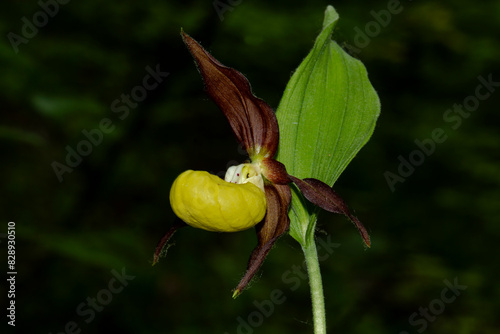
[327,113]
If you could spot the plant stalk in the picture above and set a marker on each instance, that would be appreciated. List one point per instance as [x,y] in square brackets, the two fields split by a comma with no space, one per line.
[316,285]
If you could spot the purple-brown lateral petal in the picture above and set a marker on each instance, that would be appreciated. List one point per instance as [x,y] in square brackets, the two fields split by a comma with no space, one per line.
[164,240]
[274,225]
[252,120]
[322,195]
[275,171]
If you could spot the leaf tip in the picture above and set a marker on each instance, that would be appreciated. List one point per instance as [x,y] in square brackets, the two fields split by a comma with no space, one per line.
[331,16]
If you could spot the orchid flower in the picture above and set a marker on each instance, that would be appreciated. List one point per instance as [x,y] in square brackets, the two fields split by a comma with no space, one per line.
[254,194]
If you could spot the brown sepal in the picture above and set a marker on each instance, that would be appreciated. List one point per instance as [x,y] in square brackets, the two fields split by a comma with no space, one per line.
[162,244]
[269,230]
[322,195]
[252,120]
[275,171]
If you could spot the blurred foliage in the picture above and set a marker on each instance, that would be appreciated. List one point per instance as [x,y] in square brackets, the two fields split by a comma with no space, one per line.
[110,211]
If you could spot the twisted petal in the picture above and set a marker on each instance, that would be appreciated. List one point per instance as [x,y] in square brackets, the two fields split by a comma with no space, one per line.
[253,121]
[275,224]
[162,245]
[322,195]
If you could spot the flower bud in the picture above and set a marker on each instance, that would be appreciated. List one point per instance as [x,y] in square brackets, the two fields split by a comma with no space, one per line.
[205,201]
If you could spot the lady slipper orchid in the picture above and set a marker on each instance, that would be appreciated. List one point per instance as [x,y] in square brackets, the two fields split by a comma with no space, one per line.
[252,194]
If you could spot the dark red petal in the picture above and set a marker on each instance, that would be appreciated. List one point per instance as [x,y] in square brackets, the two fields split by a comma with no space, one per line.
[322,195]
[162,244]
[253,121]
[275,171]
[274,225]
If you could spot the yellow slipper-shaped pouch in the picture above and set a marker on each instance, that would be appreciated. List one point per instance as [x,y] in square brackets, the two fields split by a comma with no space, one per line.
[206,201]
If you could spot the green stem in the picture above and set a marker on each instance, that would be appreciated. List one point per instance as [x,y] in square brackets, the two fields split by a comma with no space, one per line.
[318,300]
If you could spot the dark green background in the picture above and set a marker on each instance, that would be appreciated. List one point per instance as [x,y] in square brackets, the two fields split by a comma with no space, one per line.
[440,224]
